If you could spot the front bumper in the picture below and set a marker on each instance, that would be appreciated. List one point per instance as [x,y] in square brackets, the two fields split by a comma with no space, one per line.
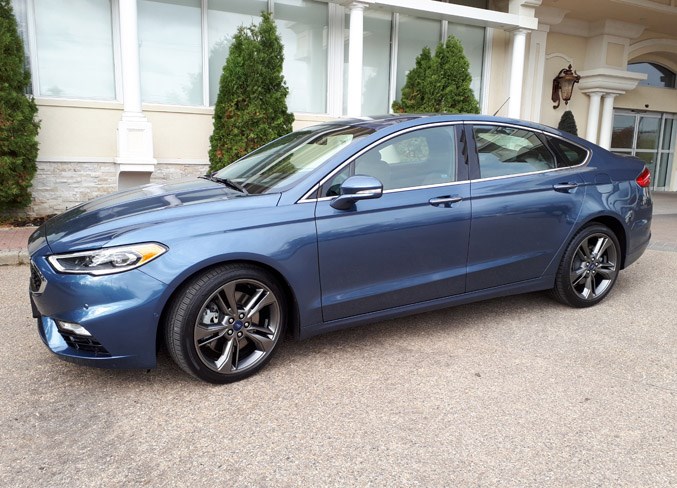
[120,311]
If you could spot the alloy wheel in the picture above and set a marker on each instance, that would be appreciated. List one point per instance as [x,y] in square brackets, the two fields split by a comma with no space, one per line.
[237,326]
[594,266]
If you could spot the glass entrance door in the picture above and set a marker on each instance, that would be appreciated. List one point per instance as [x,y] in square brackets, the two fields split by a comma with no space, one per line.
[650,137]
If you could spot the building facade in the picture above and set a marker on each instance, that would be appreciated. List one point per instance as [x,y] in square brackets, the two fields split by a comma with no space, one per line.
[125,88]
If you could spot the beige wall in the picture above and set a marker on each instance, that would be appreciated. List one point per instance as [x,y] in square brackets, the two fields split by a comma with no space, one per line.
[77,130]
[87,130]
[180,134]
[560,50]
[649,98]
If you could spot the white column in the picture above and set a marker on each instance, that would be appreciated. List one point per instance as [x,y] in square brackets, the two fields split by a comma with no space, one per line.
[533,85]
[607,120]
[517,73]
[593,117]
[135,134]
[354,104]
[129,43]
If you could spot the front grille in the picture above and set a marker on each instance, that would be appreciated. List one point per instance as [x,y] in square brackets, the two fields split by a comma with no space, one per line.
[82,343]
[37,280]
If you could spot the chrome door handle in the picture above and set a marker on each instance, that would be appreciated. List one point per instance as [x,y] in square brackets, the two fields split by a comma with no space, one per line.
[565,187]
[446,200]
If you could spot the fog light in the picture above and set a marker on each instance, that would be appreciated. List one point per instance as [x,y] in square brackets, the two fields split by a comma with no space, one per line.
[74,328]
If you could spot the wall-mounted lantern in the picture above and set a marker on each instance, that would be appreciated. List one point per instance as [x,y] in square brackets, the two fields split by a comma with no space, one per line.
[563,85]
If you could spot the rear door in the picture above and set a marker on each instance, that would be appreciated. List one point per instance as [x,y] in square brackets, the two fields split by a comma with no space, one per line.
[525,202]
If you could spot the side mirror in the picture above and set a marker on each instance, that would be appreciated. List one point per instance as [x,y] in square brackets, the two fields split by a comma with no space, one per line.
[357,188]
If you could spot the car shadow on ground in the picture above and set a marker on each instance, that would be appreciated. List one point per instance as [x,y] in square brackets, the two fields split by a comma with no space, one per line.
[442,325]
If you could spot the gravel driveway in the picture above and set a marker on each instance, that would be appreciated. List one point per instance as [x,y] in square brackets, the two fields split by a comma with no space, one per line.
[512,392]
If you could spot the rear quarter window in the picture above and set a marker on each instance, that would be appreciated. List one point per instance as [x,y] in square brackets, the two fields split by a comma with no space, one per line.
[570,154]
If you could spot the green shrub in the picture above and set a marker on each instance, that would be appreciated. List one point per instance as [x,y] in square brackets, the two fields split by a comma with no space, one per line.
[439,83]
[568,123]
[251,107]
[18,127]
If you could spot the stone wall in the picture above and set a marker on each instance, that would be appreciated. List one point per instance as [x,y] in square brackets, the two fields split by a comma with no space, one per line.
[60,186]
[167,172]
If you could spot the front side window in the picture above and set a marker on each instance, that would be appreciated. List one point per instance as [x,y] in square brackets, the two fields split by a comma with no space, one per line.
[418,158]
[503,151]
[279,164]
[74,52]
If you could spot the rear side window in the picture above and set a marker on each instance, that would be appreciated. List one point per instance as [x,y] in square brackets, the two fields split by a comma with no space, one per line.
[504,150]
[572,155]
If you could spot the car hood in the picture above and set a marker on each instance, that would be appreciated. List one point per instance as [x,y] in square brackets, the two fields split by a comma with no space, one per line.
[96,222]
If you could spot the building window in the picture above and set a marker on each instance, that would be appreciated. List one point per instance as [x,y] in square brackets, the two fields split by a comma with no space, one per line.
[657,75]
[170,51]
[472,40]
[414,35]
[375,62]
[223,19]
[303,27]
[74,52]
[651,137]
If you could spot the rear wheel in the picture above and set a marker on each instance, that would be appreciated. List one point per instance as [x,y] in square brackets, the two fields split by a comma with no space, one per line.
[589,268]
[226,323]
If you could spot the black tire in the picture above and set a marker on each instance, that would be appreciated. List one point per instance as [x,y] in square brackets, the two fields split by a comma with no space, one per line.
[210,340]
[585,277]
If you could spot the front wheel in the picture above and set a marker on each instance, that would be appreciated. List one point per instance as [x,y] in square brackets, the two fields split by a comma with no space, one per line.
[225,324]
[589,268]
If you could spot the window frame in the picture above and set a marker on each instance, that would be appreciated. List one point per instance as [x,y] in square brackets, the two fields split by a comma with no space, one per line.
[542,135]
[312,195]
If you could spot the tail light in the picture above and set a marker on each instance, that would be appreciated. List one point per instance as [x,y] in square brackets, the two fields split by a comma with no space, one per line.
[644,178]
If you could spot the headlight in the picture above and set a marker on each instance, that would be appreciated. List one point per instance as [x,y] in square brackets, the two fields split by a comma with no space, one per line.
[107,260]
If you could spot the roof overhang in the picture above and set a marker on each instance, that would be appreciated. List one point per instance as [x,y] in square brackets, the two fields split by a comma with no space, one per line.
[451,12]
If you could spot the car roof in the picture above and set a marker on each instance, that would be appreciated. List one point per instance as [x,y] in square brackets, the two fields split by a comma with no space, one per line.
[379,122]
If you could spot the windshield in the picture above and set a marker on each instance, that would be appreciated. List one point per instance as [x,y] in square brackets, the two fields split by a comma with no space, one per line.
[279,164]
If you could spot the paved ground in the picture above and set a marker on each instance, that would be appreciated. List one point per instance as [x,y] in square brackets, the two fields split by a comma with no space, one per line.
[511,392]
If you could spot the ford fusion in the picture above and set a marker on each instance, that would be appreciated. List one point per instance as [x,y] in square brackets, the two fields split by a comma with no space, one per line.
[334,226]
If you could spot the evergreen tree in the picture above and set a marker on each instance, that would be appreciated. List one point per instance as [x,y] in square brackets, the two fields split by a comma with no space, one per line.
[18,127]
[567,123]
[251,107]
[439,83]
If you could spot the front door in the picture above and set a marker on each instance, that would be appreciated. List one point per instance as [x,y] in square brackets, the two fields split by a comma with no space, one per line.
[408,246]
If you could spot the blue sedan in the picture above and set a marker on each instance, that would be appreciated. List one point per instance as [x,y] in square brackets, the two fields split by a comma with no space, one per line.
[333,226]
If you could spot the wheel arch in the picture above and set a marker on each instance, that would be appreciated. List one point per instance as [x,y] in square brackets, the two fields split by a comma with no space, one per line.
[617,228]
[293,324]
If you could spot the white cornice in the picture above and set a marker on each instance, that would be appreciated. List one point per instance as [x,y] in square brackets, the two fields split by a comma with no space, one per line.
[550,15]
[608,80]
[616,28]
[458,13]
[581,28]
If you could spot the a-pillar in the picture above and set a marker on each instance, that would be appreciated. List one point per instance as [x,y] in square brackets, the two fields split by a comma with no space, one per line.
[355,53]
[517,73]
[135,135]
[593,117]
[607,120]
